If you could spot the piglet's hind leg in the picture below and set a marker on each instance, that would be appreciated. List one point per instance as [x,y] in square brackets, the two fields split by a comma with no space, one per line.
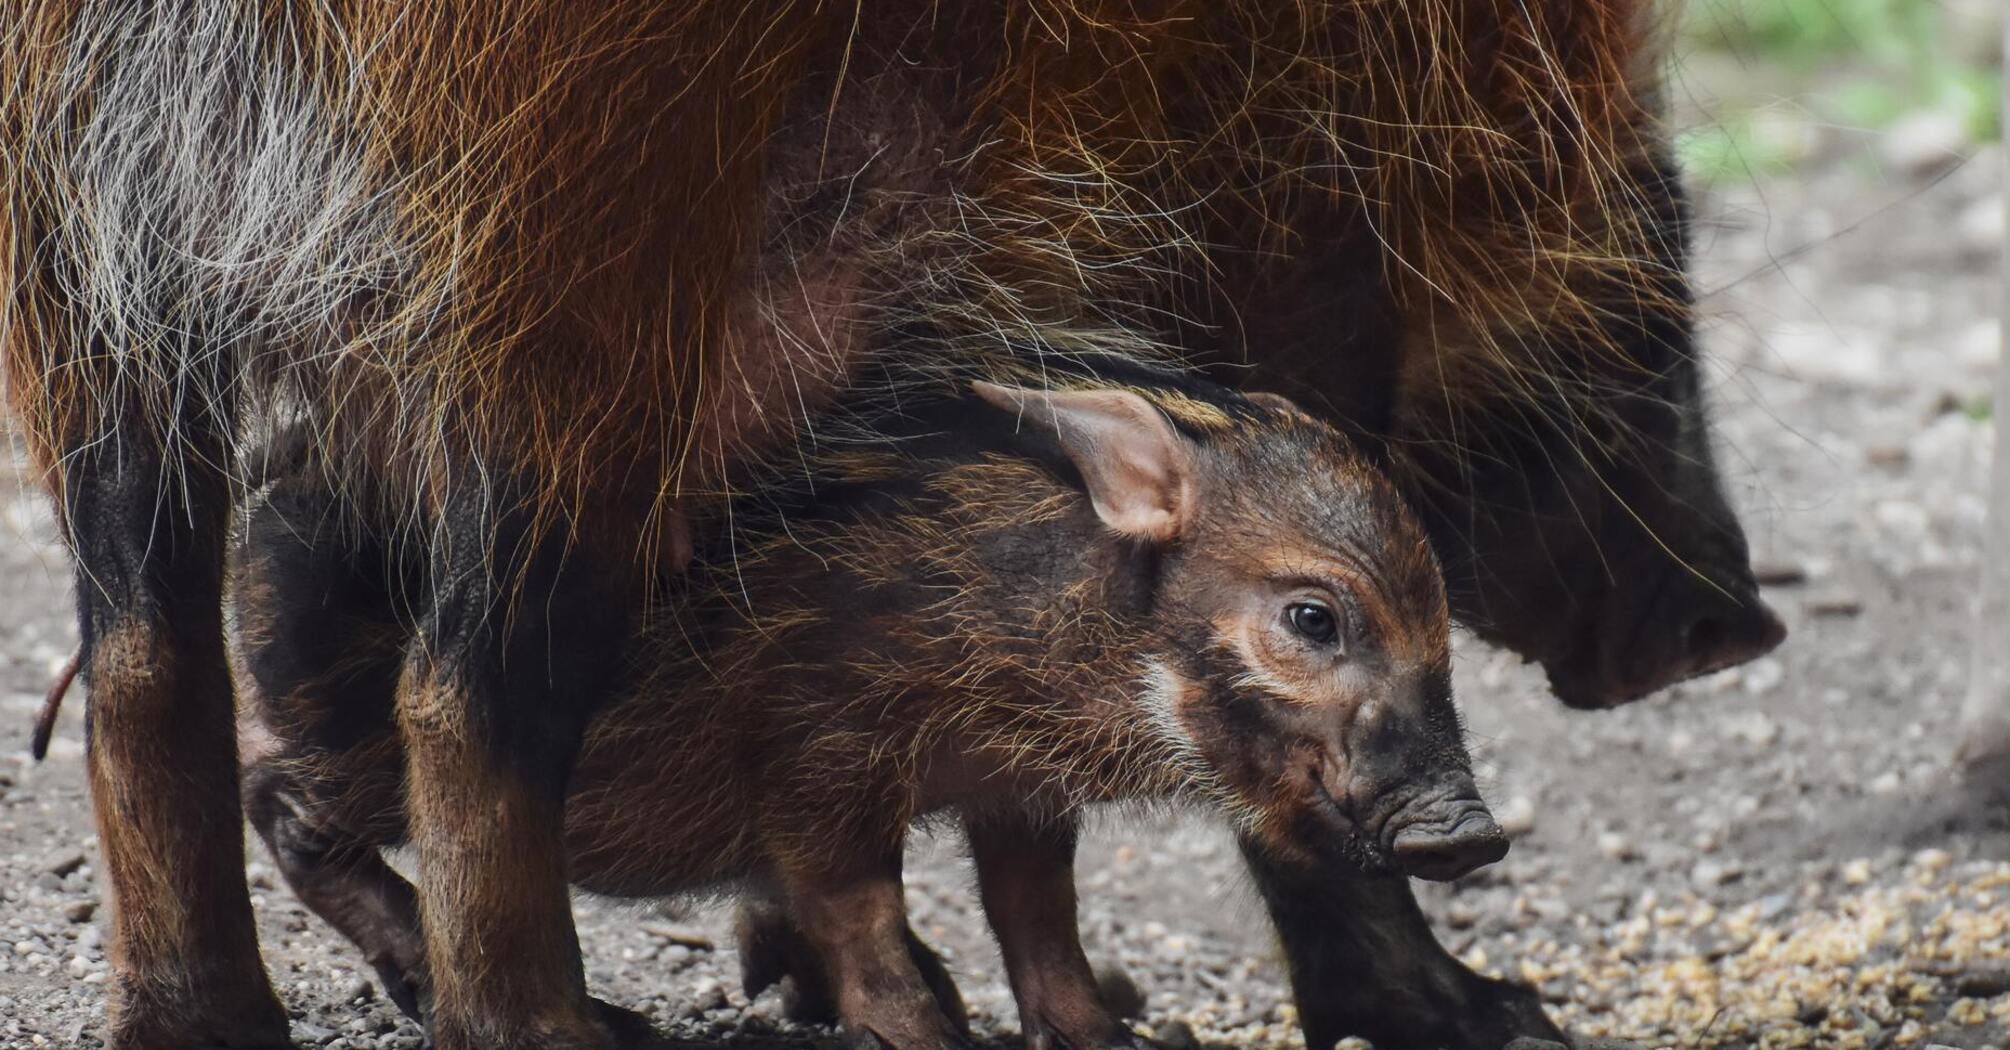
[851,913]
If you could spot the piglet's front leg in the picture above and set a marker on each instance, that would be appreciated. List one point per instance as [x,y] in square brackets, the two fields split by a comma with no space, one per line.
[1026,873]
[850,910]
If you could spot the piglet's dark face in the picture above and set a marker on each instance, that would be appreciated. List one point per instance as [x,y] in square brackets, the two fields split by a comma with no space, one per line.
[1298,645]
[1310,661]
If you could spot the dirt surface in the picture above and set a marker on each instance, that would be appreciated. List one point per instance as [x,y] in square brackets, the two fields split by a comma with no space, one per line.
[1775,856]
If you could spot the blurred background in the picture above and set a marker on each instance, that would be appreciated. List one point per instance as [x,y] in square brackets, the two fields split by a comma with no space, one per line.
[1781,855]
[1769,87]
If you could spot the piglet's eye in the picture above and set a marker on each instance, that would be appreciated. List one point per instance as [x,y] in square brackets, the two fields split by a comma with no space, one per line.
[1313,621]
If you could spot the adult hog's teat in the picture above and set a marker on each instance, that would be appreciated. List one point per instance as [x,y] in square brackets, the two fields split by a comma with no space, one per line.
[1299,635]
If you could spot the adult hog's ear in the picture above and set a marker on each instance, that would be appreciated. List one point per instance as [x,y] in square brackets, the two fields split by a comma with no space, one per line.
[1138,470]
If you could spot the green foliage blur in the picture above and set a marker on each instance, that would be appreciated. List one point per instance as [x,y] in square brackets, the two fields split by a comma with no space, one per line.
[1772,73]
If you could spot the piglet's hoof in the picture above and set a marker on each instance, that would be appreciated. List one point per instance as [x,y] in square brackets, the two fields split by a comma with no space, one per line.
[944,1036]
[631,1030]
[773,954]
[406,990]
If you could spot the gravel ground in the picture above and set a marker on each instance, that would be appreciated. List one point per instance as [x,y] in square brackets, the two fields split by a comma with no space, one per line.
[1775,856]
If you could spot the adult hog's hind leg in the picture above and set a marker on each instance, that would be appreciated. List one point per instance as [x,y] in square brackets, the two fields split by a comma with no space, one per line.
[1365,963]
[774,952]
[1025,872]
[146,518]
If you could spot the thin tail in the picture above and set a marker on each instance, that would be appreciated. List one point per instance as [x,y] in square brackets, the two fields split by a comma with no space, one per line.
[45,720]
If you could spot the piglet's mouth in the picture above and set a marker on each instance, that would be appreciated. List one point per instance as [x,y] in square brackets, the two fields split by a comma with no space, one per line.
[1437,835]
[1449,848]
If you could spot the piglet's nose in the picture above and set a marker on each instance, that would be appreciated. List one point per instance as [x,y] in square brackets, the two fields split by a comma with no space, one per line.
[1730,637]
[1445,851]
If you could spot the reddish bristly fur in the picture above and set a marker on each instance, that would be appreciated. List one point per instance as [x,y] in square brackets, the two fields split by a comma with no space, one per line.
[501,241]
[568,266]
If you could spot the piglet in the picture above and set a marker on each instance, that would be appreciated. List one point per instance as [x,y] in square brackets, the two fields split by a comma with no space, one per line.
[1006,605]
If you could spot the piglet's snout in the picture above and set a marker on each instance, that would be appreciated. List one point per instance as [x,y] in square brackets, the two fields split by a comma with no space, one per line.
[1447,840]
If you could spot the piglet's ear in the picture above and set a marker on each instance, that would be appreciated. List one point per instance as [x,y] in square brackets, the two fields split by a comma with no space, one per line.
[1138,469]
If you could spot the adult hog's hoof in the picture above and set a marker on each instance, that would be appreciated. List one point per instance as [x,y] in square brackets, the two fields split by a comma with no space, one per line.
[213,1037]
[247,1019]
[1526,1043]
[1485,1015]
[1043,1036]
[611,1027]
[1503,1013]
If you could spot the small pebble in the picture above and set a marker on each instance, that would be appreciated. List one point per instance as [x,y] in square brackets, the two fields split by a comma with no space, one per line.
[1779,573]
[1984,984]
[1835,605]
[1925,142]
[686,936]
[1709,874]
[1615,846]
[707,995]
[354,989]
[1755,727]
[1516,816]
[64,862]
[1177,1035]
[1462,914]
[1120,993]
[80,911]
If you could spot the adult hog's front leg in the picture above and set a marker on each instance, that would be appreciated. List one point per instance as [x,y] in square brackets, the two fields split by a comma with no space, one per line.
[1025,871]
[1365,963]
[852,914]
[145,502]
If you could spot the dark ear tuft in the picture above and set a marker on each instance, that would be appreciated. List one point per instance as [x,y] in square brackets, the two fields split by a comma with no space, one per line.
[1275,402]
